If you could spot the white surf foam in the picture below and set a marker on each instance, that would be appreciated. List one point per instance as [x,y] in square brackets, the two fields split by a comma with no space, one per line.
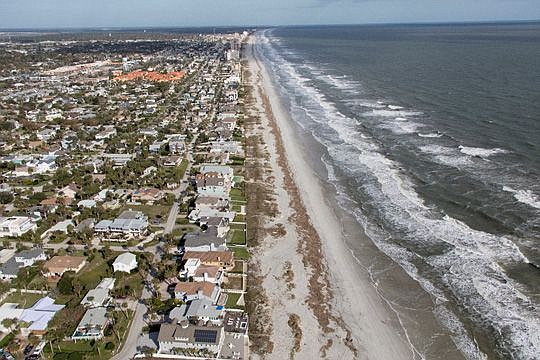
[392,113]
[400,126]
[524,196]
[481,152]
[430,135]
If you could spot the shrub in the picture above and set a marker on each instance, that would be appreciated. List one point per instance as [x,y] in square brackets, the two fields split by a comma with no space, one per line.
[75,356]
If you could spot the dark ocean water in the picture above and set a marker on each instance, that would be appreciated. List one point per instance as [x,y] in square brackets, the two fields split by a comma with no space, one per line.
[431,138]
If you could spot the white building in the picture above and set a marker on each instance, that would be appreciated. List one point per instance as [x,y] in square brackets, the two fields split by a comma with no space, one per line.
[125,262]
[16,225]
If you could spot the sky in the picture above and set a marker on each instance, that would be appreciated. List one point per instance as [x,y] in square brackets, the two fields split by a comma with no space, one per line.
[187,13]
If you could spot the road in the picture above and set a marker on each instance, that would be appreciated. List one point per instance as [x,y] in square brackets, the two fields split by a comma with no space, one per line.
[171,220]
[129,349]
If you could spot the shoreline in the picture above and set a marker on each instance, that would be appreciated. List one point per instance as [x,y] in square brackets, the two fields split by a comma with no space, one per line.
[352,319]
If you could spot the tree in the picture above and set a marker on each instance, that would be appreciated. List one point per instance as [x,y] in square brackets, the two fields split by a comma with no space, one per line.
[77,287]
[5,197]
[9,323]
[65,285]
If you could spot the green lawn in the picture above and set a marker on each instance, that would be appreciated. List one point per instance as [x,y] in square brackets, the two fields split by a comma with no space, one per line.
[152,211]
[237,195]
[92,273]
[237,226]
[56,239]
[133,281]
[238,179]
[238,267]
[232,300]
[239,218]
[237,237]
[25,300]
[152,243]
[182,221]
[183,167]
[240,253]
[67,350]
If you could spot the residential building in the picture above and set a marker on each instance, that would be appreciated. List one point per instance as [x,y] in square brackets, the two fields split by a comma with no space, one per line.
[125,262]
[185,336]
[198,311]
[39,315]
[58,265]
[223,259]
[188,291]
[92,325]
[14,226]
[147,194]
[11,267]
[129,222]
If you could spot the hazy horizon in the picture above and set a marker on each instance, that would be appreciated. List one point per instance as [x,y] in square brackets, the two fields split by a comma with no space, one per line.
[99,14]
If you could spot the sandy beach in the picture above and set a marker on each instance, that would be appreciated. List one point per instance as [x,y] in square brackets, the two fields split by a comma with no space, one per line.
[319,303]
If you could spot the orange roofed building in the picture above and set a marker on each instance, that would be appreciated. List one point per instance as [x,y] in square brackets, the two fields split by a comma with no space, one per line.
[58,265]
[151,76]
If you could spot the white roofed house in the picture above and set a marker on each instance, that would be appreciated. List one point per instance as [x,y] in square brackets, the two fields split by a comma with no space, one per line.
[119,159]
[213,184]
[15,226]
[129,223]
[125,262]
[211,202]
[199,310]
[100,295]
[92,325]
[176,143]
[39,315]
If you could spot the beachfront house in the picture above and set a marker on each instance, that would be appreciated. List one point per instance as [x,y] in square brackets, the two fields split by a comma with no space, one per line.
[188,291]
[186,336]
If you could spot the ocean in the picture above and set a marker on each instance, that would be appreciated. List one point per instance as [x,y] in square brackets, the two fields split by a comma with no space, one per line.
[429,136]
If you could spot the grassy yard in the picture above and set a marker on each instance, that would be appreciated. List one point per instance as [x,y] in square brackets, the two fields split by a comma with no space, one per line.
[239,218]
[93,272]
[56,239]
[152,211]
[232,300]
[25,300]
[237,237]
[102,349]
[237,226]
[182,221]
[237,195]
[183,167]
[240,253]
[238,267]
[151,243]
[132,281]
